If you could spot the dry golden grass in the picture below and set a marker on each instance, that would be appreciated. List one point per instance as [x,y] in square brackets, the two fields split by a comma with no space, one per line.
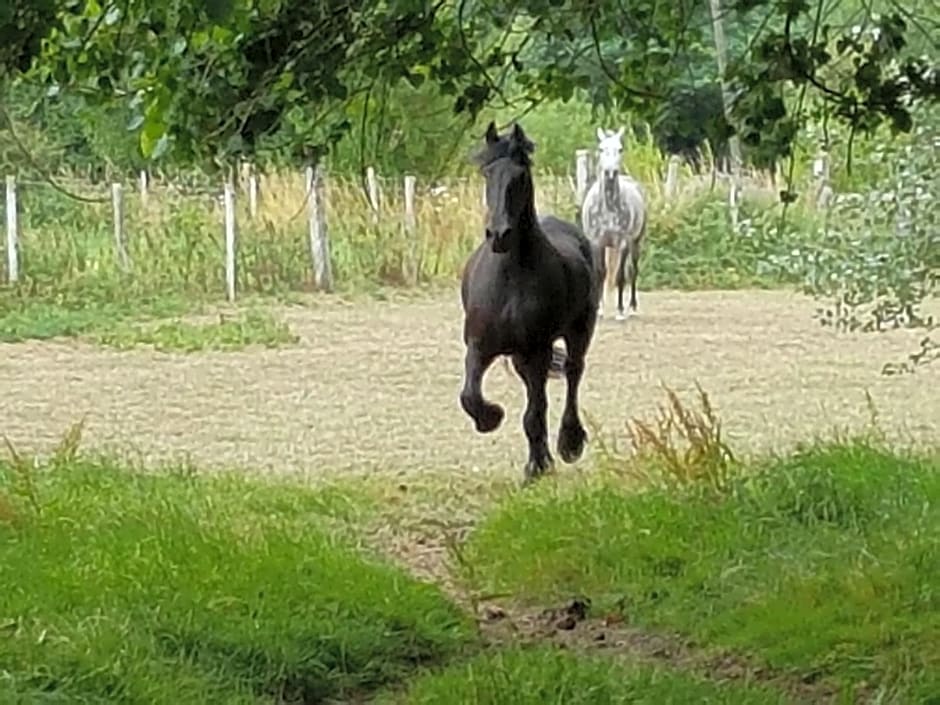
[681,445]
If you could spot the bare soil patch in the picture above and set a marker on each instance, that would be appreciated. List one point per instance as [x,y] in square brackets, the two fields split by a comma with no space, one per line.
[372,386]
[572,626]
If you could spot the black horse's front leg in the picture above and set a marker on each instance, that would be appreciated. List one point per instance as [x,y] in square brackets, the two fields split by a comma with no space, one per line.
[571,434]
[486,415]
[533,369]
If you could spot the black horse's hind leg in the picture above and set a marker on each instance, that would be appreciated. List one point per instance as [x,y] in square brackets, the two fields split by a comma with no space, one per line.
[486,415]
[533,369]
[571,434]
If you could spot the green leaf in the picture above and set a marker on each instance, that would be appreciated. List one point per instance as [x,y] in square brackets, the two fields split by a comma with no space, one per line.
[153,130]
[219,10]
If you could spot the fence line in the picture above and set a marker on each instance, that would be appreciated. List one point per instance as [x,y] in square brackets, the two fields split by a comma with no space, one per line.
[317,189]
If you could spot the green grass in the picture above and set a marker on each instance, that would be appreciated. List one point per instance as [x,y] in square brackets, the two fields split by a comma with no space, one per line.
[546,676]
[126,323]
[22,318]
[126,587]
[228,333]
[827,561]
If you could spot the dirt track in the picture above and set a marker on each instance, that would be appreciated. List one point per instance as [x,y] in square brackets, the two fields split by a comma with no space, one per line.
[374,386]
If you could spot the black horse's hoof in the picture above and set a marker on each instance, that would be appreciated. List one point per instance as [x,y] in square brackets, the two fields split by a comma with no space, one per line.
[489,418]
[571,441]
[535,469]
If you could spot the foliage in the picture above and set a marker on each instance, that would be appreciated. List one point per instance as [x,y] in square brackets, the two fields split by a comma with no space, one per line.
[876,259]
[823,561]
[123,586]
[213,87]
[543,675]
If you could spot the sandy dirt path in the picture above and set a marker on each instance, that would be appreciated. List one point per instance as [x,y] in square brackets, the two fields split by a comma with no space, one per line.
[373,386]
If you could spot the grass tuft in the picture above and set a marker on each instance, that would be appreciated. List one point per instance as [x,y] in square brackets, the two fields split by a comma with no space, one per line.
[680,446]
[545,676]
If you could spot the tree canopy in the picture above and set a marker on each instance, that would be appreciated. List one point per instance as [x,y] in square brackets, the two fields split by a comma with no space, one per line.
[210,80]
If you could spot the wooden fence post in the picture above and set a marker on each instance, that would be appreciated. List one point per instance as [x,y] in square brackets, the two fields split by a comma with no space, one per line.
[411,226]
[13,254]
[117,206]
[229,202]
[319,239]
[582,174]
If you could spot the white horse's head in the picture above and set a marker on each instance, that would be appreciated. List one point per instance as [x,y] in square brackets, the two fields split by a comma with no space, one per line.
[609,152]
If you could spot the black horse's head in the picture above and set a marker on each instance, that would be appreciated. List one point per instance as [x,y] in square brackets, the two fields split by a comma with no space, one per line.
[505,163]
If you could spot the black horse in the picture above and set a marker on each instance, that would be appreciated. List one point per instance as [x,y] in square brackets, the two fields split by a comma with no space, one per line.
[529,283]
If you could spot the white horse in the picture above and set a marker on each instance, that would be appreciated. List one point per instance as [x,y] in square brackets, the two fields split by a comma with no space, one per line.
[613,215]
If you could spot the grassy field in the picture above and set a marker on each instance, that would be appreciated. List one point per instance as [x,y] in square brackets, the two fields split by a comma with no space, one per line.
[804,578]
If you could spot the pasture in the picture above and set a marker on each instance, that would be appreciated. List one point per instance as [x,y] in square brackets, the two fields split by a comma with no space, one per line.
[280,500]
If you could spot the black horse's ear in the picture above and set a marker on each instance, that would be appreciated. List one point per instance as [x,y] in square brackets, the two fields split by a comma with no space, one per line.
[520,136]
[491,134]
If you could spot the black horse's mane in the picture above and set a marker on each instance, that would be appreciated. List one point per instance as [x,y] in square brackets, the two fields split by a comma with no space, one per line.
[515,146]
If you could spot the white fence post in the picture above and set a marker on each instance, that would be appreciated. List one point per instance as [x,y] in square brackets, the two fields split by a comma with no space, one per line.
[823,191]
[410,220]
[229,198]
[734,199]
[117,206]
[13,254]
[144,187]
[253,194]
[582,174]
[672,177]
[373,184]
[319,240]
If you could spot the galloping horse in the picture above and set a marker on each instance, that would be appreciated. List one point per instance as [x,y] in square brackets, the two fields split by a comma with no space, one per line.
[614,218]
[530,282]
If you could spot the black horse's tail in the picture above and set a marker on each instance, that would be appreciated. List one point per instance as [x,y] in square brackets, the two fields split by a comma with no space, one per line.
[557,368]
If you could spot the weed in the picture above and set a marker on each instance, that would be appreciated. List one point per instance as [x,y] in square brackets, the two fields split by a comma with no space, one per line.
[680,447]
